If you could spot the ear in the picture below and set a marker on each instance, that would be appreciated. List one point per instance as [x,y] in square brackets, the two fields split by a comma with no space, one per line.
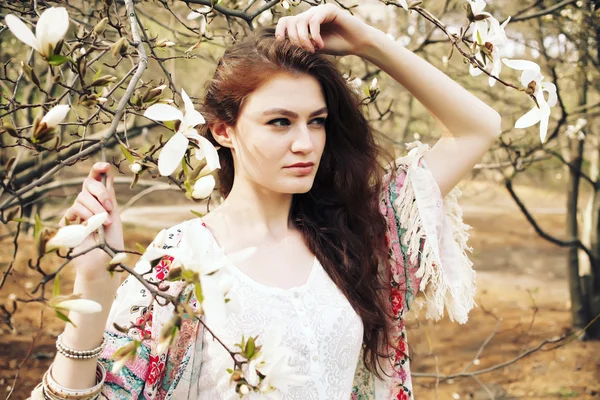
[222,134]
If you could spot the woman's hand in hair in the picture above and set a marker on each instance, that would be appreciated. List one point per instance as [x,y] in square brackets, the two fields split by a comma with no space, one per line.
[327,29]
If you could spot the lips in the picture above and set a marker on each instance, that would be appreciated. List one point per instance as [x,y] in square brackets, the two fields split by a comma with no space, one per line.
[301,165]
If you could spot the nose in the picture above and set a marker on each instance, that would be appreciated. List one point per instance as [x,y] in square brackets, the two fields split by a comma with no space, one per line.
[303,140]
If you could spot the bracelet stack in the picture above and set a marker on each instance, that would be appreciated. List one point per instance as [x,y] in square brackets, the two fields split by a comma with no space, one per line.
[51,390]
[78,354]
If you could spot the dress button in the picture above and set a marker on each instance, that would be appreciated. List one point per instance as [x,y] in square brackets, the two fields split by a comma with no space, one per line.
[315,358]
[301,308]
[312,341]
[296,294]
[305,323]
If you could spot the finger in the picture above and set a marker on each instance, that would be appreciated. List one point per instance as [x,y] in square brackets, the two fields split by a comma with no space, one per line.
[302,29]
[110,187]
[315,31]
[91,203]
[98,190]
[280,29]
[77,210]
[98,169]
[292,33]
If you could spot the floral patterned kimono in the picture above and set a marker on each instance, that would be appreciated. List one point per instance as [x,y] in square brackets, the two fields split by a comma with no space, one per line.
[427,249]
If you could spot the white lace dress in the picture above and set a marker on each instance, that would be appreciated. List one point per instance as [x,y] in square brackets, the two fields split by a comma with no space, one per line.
[321,328]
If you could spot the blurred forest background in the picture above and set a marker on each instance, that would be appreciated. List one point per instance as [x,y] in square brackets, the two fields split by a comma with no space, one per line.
[534,208]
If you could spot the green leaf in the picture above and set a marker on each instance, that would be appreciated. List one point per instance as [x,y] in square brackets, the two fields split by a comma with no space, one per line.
[198,291]
[62,316]
[479,39]
[127,154]
[185,168]
[197,214]
[250,348]
[97,74]
[170,124]
[140,248]
[20,219]
[57,59]
[38,227]
[56,287]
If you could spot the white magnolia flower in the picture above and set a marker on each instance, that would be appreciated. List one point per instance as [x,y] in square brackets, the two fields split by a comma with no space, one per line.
[50,29]
[174,150]
[404,4]
[83,306]
[477,7]
[491,36]
[373,86]
[574,131]
[56,115]
[203,187]
[532,77]
[73,235]
[118,259]
[199,12]
[273,362]
[193,254]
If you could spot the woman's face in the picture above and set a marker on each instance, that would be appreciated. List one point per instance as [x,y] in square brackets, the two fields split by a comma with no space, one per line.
[280,134]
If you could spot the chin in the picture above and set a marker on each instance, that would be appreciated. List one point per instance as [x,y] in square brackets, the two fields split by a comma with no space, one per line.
[297,186]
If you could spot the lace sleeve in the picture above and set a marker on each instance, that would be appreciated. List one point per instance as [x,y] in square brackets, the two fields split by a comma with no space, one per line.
[428,241]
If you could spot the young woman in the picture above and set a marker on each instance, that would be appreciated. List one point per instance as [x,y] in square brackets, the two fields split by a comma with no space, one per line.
[342,244]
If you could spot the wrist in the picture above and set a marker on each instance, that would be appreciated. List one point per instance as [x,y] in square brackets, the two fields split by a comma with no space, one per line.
[376,45]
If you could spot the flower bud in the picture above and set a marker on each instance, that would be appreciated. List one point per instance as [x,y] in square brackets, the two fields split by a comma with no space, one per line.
[136,167]
[103,80]
[164,43]
[30,74]
[101,26]
[120,47]
[244,390]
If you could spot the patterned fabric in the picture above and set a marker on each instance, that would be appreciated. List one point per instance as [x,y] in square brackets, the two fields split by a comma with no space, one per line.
[428,268]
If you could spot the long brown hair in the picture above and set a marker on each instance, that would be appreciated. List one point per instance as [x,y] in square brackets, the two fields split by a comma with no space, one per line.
[339,217]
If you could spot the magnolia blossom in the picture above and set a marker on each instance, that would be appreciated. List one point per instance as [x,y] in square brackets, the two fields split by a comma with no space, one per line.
[215,280]
[490,37]
[574,131]
[73,235]
[532,79]
[55,116]
[174,150]
[118,259]
[373,86]
[83,306]
[50,29]
[203,187]
[404,4]
[273,361]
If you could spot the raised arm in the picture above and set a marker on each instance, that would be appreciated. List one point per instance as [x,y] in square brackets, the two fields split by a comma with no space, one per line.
[469,126]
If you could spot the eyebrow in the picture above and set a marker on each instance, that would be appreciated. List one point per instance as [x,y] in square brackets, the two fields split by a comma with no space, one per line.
[292,114]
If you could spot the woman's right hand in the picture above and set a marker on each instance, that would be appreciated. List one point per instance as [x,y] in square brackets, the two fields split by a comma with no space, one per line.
[96,198]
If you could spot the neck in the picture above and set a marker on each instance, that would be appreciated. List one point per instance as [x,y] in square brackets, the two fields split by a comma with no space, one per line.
[265,212]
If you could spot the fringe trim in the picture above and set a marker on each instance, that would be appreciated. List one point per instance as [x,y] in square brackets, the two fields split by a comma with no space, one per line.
[440,291]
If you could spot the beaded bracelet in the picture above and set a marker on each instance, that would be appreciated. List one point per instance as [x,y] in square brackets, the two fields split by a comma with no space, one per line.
[78,354]
[53,391]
